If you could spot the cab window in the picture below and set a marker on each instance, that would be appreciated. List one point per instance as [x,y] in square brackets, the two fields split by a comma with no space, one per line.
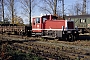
[44,19]
[37,20]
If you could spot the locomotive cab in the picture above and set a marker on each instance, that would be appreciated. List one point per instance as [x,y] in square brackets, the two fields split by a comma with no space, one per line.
[36,26]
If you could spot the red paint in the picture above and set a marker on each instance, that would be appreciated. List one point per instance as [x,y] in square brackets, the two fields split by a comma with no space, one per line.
[54,24]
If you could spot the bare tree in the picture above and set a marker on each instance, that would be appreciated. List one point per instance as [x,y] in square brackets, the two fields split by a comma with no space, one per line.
[26,6]
[3,10]
[78,8]
[75,9]
[48,6]
[11,11]
[51,7]
[18,20]
[70,10]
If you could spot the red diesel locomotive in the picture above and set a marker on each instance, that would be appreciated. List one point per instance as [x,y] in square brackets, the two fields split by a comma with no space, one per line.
[48,26]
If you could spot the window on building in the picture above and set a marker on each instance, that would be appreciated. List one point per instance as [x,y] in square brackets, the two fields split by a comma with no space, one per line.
[82,20]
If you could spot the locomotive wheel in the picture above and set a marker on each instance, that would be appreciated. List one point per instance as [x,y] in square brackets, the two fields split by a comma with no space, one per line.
[77,36]
[59,38]
[67,38]
[71,37]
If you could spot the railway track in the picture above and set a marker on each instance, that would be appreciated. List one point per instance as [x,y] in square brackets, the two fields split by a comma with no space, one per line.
[85,43]
[52,49]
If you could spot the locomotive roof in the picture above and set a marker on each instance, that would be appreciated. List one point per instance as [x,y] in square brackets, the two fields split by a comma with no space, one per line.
[44,16]
[36,16]
[77,16]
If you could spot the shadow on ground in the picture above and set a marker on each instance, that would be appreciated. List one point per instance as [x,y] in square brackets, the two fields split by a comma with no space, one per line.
[84,37]
[81,37]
